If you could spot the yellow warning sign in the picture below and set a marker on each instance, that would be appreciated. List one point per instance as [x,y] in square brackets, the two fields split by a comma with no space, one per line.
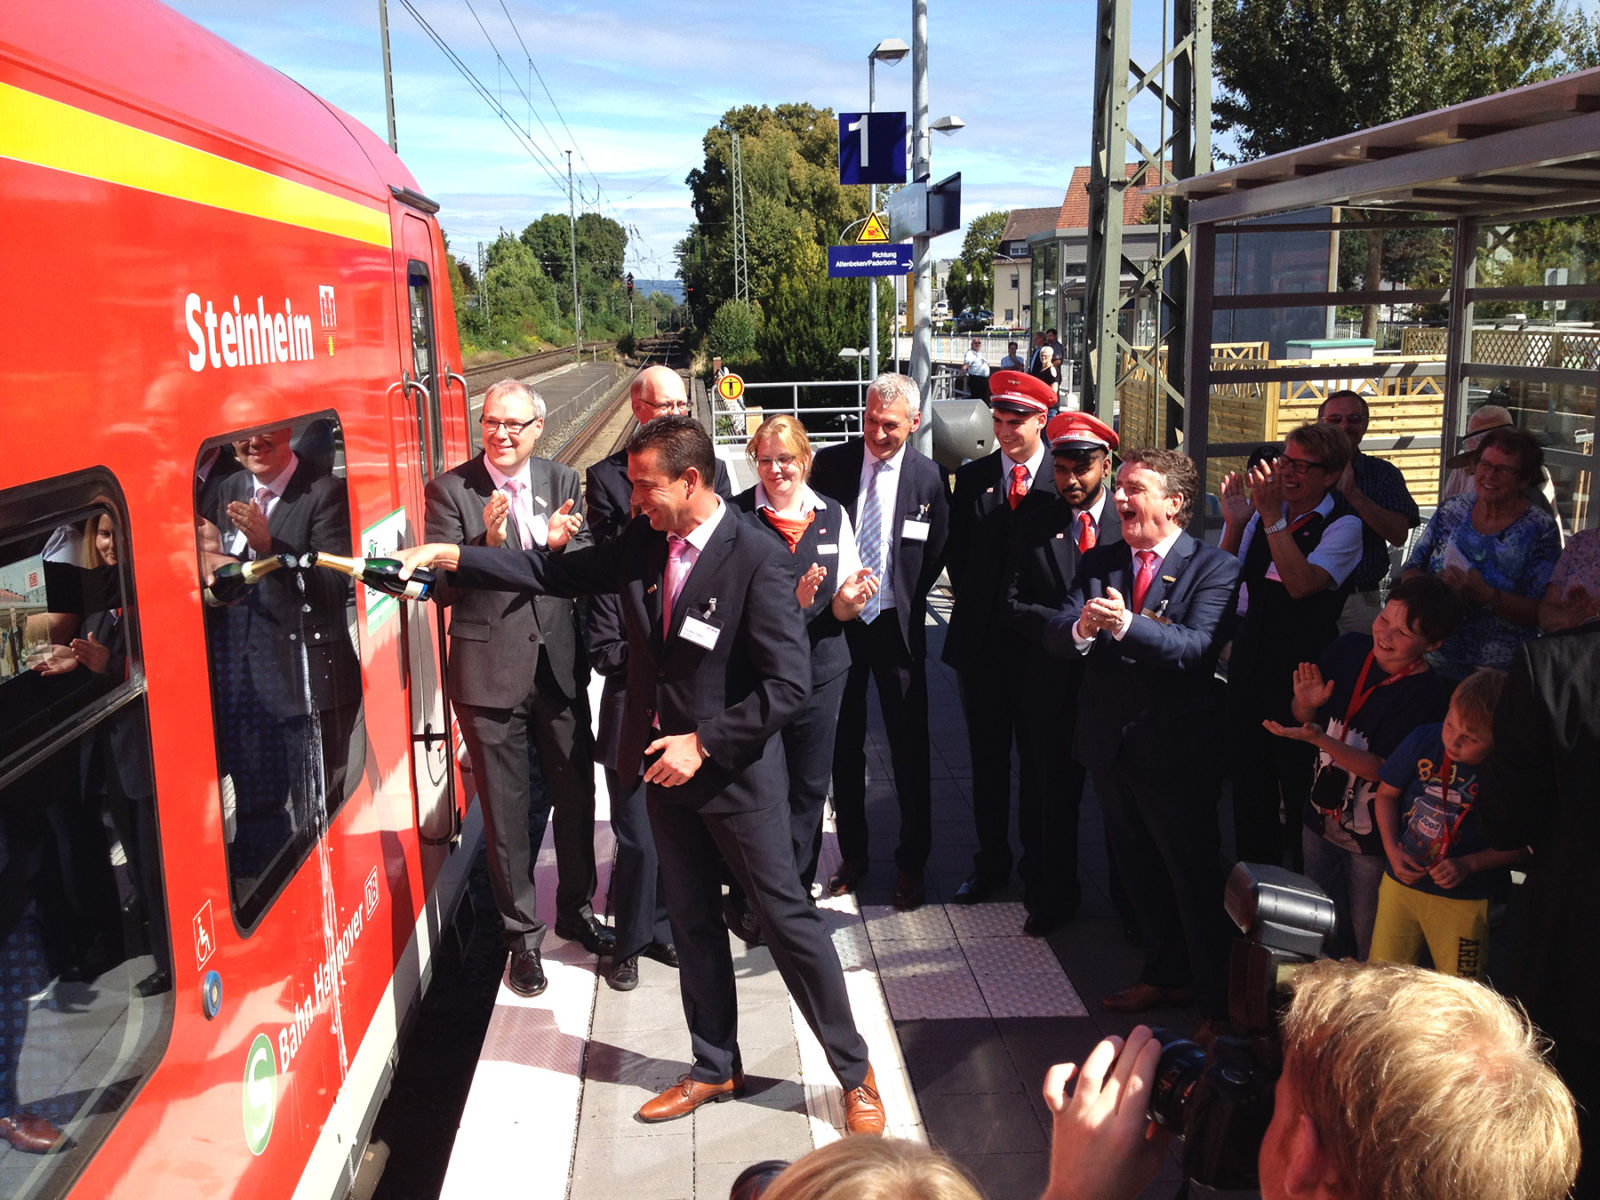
[730,386]
[874,230]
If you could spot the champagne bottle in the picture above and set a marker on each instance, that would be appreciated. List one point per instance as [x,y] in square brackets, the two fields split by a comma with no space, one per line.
[231,579]
[381,574]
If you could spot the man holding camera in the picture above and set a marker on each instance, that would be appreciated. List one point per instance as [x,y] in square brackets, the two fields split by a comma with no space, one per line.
[1396,1081]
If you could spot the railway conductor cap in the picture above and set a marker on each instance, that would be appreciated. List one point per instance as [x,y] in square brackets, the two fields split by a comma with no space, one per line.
[1012,391]
[1079,433]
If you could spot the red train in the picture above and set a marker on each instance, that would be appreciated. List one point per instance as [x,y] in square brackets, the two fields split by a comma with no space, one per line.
[230,835]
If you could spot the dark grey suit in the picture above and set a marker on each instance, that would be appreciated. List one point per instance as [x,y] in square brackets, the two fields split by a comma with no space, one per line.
[736,695]
[516,672]
[892,651]
[1153,738]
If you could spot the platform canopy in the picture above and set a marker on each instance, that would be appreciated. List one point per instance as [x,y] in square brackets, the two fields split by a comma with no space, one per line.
[1531,152]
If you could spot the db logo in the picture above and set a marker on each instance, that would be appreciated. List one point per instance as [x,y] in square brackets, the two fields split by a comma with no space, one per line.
[260,1093]
[372,893]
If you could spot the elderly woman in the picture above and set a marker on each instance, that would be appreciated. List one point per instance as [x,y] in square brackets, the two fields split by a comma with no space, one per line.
[1573,596]
[832,587]
[1497,549]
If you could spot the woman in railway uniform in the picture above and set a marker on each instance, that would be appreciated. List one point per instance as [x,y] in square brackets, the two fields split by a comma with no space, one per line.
[832,587]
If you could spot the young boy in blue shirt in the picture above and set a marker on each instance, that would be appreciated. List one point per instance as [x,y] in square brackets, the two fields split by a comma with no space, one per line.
[1442,871]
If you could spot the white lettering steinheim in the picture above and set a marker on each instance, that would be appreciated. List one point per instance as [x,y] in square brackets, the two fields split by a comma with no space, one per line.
[233,337]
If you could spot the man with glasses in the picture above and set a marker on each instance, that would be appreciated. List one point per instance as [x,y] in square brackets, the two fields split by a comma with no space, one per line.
[1377,491]
[516,676]
[1298,542]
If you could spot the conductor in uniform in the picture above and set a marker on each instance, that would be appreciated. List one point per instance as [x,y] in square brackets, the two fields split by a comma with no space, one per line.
[714,634]
[516,673]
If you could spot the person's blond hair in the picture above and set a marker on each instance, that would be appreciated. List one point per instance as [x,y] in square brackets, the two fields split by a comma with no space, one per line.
[872,1168]
[791,436]
[1422,1086]
[1475,699]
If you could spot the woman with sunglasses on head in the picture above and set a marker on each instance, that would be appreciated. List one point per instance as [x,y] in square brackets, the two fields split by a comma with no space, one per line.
[831,587]
[1497,549]
[1298,542]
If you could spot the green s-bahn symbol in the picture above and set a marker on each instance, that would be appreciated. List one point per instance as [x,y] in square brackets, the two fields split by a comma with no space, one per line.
[260,1088]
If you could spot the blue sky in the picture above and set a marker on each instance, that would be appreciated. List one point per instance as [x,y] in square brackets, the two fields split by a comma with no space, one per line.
[636,86]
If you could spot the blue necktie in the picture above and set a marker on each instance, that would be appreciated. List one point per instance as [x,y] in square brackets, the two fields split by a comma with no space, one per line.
[869,540]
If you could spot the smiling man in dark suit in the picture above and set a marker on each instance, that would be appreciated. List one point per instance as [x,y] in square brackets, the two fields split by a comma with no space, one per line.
[1049,543]
[714,634]
[992,495]
[1152,613]
[516,675]
[881,477]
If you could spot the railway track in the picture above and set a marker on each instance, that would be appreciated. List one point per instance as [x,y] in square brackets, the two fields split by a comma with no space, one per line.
[479,378]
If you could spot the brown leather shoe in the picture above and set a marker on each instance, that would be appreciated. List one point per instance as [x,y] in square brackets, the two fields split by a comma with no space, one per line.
[850,873]
[30,1134]
[1142,997]
[683,1097]
[863,1107]
[909,891]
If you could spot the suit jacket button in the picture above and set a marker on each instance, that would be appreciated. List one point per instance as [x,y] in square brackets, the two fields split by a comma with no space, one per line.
[533,637]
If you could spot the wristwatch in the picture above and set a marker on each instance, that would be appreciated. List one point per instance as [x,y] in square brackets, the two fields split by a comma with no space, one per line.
[1277,526]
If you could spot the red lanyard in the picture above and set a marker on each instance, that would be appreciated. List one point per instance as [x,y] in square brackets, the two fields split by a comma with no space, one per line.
[1362,692]
[1466,805]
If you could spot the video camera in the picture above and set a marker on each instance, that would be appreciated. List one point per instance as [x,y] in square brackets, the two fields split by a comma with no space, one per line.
[1221,1102]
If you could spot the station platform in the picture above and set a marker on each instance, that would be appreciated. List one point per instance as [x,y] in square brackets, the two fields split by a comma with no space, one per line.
[963,1014]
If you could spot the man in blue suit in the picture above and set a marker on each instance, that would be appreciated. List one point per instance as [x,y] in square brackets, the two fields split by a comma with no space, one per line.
[1152,612]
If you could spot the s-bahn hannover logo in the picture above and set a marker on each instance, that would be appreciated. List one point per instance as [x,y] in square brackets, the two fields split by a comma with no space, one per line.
[260,1093]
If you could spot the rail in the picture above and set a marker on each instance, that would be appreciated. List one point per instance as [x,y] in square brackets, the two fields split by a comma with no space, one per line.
[482,376]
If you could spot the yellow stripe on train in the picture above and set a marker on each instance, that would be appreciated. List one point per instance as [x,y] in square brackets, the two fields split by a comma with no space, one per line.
[48,133]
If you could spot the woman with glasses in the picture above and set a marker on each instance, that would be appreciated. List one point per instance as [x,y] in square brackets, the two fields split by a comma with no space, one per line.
[832,588]
[1298,542]
[1497,549]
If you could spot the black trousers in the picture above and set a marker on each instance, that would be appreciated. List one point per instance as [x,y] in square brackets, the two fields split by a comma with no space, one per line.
[879,653]
[1269,773]
[638,904]
[1167,848]
[758,850]
[988,700]
[497,741]
[1049,792]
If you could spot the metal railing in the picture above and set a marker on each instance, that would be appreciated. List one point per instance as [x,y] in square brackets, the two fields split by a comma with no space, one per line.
[733,424]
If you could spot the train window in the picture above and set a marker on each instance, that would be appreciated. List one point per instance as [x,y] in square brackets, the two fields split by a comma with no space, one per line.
[419,292]
[280,635]
[86,994]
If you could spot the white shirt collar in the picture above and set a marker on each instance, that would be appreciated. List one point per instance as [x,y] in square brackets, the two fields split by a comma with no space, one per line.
[500,478]
[281,481]
[808,498]
[701,533]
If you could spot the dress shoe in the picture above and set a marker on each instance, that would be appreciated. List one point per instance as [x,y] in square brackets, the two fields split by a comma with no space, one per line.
[683,1097]
[975,889]
[526,976]
[1045,921]
[590,932]
[664,953]
[850,873]
[909,891]
[1142,997]
[863,1107]
[30,1134]
[742,923]
[624,974]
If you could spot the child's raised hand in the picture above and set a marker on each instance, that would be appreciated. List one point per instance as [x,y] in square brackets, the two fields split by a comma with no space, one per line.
[1311,691]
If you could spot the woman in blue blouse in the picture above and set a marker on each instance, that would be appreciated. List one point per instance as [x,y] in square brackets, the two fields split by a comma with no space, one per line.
[1497,549]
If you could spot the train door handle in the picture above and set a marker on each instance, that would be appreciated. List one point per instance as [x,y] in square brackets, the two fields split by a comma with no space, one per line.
[429,738]
[451,377]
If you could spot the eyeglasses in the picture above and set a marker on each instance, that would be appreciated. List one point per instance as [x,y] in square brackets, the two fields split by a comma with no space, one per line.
[667,406]
[1300,466]
[1485,467]
[514,428]
[782,461]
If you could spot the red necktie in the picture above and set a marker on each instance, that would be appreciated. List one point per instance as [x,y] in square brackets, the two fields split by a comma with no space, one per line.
[1086,538]
[1019,485]
[1146,576]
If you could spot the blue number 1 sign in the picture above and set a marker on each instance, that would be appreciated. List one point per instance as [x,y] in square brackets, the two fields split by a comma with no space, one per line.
[872,147]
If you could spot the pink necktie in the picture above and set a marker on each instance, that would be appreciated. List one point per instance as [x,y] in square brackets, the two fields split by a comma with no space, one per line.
[1146,576]
[519,509]
[678,567]
[263,498]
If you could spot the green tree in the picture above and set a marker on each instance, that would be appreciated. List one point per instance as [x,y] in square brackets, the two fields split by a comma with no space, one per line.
[733,332]
[957,288]
[978,249]
[522,299]
[1294,72]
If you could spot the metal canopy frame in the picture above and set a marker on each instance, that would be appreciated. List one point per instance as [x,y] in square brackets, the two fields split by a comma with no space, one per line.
[1528,154]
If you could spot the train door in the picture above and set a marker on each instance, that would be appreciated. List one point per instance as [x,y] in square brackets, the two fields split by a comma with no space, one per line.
[423,379]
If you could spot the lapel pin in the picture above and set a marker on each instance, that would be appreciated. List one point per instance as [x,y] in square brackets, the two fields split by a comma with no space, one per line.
[1169,579]
[711,605]
[541,502]
[651,590]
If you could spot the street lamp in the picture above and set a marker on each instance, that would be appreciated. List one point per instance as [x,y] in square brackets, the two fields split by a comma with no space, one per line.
[948,124]
[890,50]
